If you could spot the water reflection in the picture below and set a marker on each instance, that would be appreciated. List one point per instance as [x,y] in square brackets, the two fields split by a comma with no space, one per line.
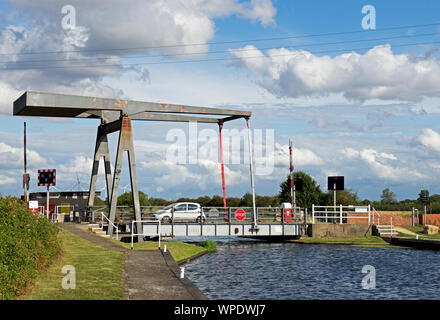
[259,270]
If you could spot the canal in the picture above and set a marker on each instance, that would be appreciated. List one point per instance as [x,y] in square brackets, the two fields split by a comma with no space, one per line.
[246,269]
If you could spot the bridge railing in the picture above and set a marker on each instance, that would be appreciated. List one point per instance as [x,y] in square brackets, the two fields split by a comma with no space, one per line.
[341,214]
[218,214]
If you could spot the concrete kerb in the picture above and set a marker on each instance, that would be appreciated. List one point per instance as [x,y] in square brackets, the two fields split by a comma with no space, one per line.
[190,287]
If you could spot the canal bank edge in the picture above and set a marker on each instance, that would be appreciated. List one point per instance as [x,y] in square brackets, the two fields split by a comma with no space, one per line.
[414,243]
[193,290]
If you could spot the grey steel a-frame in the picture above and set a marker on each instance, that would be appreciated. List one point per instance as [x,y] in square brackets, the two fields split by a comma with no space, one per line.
[116,115]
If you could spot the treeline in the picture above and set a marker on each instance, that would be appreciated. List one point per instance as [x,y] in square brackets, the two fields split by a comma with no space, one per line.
[312,194]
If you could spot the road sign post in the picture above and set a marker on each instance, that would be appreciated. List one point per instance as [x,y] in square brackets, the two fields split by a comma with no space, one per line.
[47,178]
[335,183]
[240,214]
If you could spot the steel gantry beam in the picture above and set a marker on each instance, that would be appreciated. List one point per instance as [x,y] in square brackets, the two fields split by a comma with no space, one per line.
[116,115]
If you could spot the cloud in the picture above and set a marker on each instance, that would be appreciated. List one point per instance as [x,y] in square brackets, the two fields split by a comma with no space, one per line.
[431,139]
[138,28]
[203,176]
[301,157]
[80,167]
[7,180]
[377,74]
[377,161]
[12,157]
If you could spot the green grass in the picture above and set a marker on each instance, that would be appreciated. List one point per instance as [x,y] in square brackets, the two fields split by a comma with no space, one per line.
[370,239]
[382,246]
[179,250]
[209,245]
[98,273]
[419,231]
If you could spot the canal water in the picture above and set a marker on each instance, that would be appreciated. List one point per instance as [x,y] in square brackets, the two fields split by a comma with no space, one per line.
[242,269]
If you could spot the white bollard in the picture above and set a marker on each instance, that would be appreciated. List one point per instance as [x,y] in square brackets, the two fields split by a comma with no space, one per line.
[417,237]
[182,272]
[164,248]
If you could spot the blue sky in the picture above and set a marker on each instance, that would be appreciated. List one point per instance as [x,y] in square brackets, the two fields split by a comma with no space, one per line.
[368,110]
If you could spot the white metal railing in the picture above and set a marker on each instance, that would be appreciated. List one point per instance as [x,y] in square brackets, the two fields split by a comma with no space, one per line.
[386,229]
[378,218]
[109,222]
[95,210]
[59,208]
[339,213]
[141,234]
[41,210]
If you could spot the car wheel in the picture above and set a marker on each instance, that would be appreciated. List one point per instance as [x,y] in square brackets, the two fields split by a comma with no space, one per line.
[202,219]
[166,220]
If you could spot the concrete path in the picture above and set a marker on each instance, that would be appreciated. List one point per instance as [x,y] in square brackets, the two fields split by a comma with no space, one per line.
[148,274]
[404,230]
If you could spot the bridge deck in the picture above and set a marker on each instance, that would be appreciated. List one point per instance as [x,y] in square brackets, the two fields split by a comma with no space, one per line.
[222,229]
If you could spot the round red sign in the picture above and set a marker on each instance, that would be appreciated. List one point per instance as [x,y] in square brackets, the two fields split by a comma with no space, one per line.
[240,214]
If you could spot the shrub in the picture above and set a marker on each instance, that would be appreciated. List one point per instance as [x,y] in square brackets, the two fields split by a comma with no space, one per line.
[28,245]
[209,245]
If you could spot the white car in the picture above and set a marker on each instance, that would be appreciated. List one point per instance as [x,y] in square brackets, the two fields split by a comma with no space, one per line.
[183,211]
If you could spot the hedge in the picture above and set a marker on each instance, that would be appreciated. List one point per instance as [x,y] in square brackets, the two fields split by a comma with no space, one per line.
[28,245]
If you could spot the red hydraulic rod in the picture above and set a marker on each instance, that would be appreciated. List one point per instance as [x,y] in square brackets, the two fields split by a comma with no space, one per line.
[291,174]
[24,158]
[220,126]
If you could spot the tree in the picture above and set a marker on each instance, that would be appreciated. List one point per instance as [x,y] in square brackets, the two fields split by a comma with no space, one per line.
[99,202]
[312,193]
[345,197]
[158,202]
[126,199]
[388,196]
[423,194]
[246,200]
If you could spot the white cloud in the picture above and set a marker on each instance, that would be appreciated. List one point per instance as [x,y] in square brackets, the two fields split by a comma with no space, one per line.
[204,176]
[431,139]
[301,157]
[377,161]
[377,74]
[79,167]
[12,157]
[105,25]
[7,180]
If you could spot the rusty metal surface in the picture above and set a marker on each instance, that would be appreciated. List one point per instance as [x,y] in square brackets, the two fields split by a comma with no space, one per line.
[71,106]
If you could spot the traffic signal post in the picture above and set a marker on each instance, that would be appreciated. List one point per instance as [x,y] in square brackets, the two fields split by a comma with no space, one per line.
[47,178]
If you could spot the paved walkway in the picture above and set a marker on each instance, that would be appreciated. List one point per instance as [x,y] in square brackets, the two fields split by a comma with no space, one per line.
[404,230]
[148,274]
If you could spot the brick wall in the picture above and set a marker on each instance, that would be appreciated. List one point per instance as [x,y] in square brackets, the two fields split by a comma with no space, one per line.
[398,220]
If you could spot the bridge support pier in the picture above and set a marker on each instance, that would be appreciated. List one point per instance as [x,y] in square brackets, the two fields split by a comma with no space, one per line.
[125,143]
[101,150]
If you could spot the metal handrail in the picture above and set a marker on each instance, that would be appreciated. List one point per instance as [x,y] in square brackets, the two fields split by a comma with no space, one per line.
[387,228]
[138,234]
[116,227]
[338,213]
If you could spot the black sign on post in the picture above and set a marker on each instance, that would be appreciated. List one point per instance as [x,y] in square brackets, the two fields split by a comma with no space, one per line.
[298,184]
[424,197]
[335,183]
[46,177]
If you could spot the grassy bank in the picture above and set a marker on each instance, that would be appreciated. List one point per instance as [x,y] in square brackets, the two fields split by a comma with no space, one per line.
[359,240]
[179,250]
[98,272]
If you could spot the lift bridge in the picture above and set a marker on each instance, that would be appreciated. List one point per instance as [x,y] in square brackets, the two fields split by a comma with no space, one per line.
[116,115]
[272,222]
